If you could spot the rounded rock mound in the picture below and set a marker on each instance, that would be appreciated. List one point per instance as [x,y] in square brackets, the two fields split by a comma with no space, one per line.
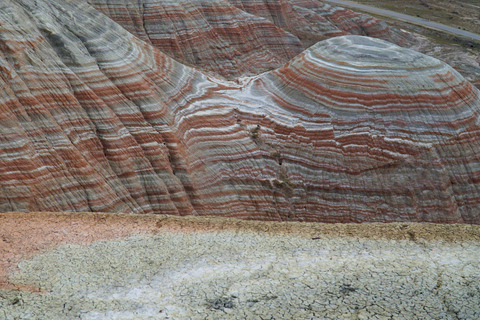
[389,134]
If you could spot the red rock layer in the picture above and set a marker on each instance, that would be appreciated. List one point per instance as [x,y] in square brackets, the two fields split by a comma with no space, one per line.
[352,130]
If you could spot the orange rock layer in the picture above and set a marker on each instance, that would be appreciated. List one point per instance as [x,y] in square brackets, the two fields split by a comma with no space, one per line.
[354,129]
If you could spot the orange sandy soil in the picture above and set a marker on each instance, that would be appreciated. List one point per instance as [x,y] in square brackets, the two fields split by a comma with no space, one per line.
[22,235]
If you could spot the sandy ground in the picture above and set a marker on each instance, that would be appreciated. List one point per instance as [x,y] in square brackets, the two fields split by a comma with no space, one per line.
[104,266]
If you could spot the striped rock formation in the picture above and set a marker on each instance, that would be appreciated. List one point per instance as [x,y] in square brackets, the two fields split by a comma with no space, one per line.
[313,20]
[354,129]
[213,35]
[384,129]
[235,38]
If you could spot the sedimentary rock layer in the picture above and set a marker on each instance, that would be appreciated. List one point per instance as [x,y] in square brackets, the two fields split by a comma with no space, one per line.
[313,20]
[211,34]
[328,17]
[240,37]
[380,118]
[354,129]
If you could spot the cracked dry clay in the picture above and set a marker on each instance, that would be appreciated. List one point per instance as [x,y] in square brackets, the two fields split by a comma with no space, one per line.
[249,275]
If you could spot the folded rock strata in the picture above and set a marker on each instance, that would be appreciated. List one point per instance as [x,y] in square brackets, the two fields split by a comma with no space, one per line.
[313,20]
[211,34]
[354,129]
[235,38]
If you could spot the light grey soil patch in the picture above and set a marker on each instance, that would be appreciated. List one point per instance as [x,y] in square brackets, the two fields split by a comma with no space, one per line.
[238,275]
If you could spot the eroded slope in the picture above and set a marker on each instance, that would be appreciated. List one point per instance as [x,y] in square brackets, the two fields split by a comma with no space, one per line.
[352,130]
[235,38]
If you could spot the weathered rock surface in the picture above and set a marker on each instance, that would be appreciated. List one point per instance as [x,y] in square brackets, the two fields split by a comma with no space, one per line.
[312,20]
[212,35]
[380,118]
[352,130]
[463,59]
[240,37]
[205,268]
